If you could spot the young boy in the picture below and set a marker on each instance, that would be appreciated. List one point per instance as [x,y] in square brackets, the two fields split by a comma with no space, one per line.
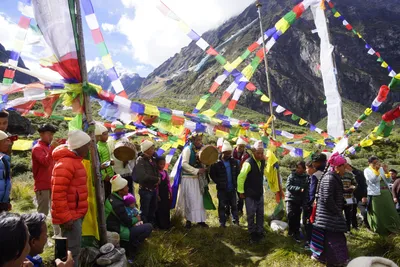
[349,185]
[224,173]
[107,171]
[296,197]
[250,187]
[312,181]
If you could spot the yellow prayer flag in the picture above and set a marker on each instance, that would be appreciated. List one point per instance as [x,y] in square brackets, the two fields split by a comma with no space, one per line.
[166,146]
[201,103]
[359,35]
[22,145]
[368,111]
[321,142]
[175,145]
[282,25]
[384,65]
[237,62]
[337,14]
[271,172]
[185,28]
[302,122]
[130,127]
[151,110]
[222,134]
[210,113]
[306,153]
[107,62]
[366,143]
[265,98]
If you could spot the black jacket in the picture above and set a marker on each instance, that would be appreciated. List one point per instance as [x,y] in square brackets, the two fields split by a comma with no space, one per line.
[361,190]
[253,186]
[145,173]
[294,184]
[330,204]
[220,177]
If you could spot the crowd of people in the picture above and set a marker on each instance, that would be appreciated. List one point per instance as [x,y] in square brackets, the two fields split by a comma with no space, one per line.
[324,193]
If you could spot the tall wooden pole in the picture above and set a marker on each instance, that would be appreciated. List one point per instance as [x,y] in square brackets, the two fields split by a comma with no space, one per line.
[259,5]
[93,148]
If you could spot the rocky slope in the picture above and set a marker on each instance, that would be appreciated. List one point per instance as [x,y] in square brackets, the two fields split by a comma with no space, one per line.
[295,78]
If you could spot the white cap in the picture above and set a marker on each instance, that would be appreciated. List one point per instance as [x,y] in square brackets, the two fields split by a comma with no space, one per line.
[258,145]
[348,160]
[226,147]
[117,183]
[146,145]
[3,136]
[100,129]
[77,139]
[240,141]
[115,123]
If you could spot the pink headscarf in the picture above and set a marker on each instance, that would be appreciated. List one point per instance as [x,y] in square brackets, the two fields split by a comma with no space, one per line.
[336,160]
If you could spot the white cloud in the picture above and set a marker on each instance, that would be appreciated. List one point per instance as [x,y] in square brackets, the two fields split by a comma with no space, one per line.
[154,37]
[107,27]
[92,63]
[8,31]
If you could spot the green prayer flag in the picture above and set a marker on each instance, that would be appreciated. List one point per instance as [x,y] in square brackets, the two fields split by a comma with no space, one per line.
[216,106]
[228,112]
[220,59]
[395,83]
[7,81]
[258,92]
[245,54]
[165,116]
[334,10]
[290,17]
[75,123]
[57,117]
[102,49]
[380,59]
[265,140]
[295,117]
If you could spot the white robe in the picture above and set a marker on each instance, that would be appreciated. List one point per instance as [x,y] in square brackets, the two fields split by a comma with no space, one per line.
[190,199]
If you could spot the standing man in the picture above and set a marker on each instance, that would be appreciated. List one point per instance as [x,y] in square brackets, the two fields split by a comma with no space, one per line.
[120,167]
[224,173]
[148,177]
[42,167]
[250,187]
[393,175]
[5,176]
[240,154]
[69,189]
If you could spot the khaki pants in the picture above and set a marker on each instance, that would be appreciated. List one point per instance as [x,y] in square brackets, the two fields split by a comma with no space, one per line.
[43,199]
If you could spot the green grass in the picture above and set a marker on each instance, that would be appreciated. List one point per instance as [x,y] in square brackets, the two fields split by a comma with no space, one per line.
[223,247]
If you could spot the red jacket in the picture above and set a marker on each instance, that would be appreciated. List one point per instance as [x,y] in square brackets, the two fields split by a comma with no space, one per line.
[69,187]
[42,166]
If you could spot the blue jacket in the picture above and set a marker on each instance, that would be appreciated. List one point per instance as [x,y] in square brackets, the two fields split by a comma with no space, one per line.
[5,178]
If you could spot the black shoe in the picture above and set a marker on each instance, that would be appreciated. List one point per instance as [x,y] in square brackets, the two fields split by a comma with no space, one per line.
[222,225]
[297,237]
[203,224]
[235,223]
[188,225]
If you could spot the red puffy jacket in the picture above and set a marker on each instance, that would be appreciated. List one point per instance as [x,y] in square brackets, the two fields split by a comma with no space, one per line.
[69,187]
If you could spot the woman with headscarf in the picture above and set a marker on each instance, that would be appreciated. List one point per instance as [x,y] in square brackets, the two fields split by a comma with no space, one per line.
[191,194]
[328,242]
[382,215]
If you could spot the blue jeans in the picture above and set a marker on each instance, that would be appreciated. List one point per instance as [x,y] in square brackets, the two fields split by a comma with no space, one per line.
[148,205]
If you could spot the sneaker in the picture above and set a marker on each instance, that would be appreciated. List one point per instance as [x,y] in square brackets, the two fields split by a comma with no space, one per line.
[203,224]
[188,225]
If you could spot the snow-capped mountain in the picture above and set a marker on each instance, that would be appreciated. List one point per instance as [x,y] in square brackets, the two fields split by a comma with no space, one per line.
[130,80]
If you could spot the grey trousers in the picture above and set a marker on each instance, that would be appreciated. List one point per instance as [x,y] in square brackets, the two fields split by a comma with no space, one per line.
[74,237]
[255,208]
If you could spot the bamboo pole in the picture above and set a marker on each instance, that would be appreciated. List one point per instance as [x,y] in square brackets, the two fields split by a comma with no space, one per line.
[93,148]
[259,5]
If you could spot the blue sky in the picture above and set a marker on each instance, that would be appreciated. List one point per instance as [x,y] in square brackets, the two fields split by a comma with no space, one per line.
[138,36]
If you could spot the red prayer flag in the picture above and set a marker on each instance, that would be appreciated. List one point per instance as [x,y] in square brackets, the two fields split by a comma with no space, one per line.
[251,87]
[299,9]
[331,5]
[232,104]
[214,87]
[287,113]
[225,97]
[349,27]
[253,47]
[211,51]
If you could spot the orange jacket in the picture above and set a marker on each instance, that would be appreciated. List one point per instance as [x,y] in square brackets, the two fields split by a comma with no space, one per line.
[69,188]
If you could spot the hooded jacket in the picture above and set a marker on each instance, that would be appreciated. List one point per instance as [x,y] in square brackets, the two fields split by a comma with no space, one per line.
[69,187]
